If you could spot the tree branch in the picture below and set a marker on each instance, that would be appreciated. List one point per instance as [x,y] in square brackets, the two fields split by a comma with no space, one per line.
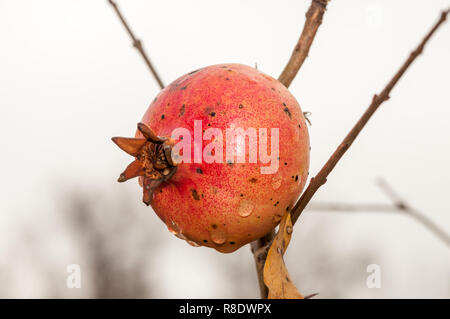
[260,249]
[404,207]
[313,21]
[399,206]
[137,44]
[294,64]
[321,178]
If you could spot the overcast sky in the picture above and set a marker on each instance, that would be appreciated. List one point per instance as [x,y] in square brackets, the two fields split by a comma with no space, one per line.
[70,79]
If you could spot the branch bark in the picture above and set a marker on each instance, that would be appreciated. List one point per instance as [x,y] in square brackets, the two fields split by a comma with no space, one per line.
[313,21]
[137,44]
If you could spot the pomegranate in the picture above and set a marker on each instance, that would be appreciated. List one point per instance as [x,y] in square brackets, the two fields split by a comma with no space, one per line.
[222,153]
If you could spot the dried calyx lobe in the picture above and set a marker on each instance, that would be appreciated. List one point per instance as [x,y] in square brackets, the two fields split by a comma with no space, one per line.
[153,161]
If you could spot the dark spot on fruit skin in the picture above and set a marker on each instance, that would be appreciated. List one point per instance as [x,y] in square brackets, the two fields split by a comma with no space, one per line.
[287,279]
[296,177]
[299,126]
[209,124]
[182,109]
[241,106]
[286,110]
[194,72]
[205,241]
[212,113]
[230,162]
[232,242]
[162,117]
[276,203]
[273,89]
[214,226]
[285,163]
[183,88]
[195,194]
[242,195]
[287,208]
[228,79]
[252,180]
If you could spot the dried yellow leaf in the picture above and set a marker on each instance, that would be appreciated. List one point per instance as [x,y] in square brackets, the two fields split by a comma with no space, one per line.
[276,276]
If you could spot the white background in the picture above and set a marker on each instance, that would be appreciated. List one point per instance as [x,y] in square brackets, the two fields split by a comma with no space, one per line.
[69,80]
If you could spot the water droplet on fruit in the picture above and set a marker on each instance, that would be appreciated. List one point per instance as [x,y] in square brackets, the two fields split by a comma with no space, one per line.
[174,229]
[181,236]
[245,208]
[192,243]
[218,236]
[276,181]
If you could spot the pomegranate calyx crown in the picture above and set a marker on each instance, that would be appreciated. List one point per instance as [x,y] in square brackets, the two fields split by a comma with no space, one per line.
[153,160]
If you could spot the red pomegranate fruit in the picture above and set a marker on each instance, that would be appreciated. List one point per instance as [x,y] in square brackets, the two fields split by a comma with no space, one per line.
[221,153]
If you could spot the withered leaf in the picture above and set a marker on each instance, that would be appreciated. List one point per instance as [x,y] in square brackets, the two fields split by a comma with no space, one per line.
[276,276]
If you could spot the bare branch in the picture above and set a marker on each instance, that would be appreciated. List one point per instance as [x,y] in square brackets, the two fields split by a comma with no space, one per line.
[137,44]
[260,249]
[321,178]
[399,206]
[351,207]
[404,207]
[301,50]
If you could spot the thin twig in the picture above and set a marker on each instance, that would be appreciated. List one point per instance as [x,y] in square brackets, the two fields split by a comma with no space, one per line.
[321,178]
[260,249]
[137,44]
[352,207]
[404,207]
[313,21]
[398,206]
